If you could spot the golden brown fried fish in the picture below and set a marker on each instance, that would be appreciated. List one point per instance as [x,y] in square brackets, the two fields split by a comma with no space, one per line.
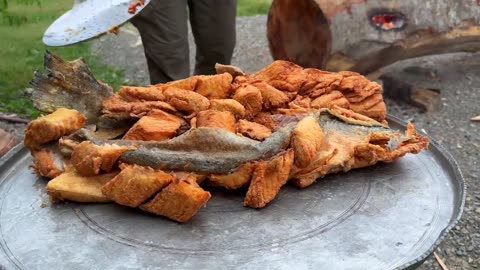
[90,159]
[187,101]
[135,184]
[253,130]
[74,187]
[216,119]
[307,139]
[228,105]
[156,126]
[251,98]
[179,201]
[268,177]
[52,126]
[235,180]
[215,86]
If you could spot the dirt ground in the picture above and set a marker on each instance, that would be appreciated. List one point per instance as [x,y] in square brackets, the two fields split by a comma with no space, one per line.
[456,75]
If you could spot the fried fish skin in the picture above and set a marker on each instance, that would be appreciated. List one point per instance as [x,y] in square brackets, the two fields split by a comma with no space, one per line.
[268,177]
[253,130]
[235,180]
[135,184]
[214,86]
[307,139]
[90,159]
[156,126]
[216,119]
[52,126]
[187,101]
[74,187]
[179,201]
[229,105]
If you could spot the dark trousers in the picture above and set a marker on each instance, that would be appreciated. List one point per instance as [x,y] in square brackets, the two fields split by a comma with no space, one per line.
[164,32]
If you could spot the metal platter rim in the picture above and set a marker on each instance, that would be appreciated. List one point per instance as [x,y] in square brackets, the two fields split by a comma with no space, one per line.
[441,151]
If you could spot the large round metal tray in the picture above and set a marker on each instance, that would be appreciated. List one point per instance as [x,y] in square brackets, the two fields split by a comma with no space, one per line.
[390,216]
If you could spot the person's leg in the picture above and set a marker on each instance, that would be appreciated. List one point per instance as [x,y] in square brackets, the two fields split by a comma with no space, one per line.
[163,28]
[213,26]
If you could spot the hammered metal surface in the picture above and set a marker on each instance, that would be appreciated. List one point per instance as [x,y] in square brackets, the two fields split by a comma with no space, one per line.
[389,216]
[88,19]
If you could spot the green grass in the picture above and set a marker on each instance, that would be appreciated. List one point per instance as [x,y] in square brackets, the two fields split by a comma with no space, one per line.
[21,52]
[253,7]
[21,48]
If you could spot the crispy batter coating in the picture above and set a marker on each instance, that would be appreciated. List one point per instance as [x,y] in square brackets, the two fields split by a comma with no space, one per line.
[157,126]
[179,201]
[283,75]
[190,177]
[251,98]
[268,177]
[137,93]
[90,159]
[271,97]
[216,119]
[74,187]
[134,185]
[235,180]
[334,98]
[46,163]
[307,139]
[52,126]
[188,84]
[265,119]
[319,82]
[372,106]
[117,108]
[229,105]
[184,100]
[215,86]
[253,130]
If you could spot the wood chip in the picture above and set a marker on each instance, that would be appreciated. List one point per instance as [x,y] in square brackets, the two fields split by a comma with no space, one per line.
[440,261]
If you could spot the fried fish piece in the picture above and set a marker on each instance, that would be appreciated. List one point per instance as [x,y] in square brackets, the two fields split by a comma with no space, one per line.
[352,141]
[235,180]
[264,118]
[283,75]
[229,105]
[136,93]
[251,98]
[188,84]
[134,185]
[74,187]
[307,139]
[328,100]
[271,97]
[156,126]
[179,201]
[90,159]
[116,108]
[253,130]
[47,163]
[319,82]
[214,86]
[216,119]
[268,177]
[52,126]
[184,100]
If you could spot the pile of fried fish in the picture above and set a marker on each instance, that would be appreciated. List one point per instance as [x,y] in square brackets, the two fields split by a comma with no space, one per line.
[157,147]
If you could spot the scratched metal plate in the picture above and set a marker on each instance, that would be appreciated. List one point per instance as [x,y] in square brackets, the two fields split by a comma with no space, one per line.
[88,19]
[390,216]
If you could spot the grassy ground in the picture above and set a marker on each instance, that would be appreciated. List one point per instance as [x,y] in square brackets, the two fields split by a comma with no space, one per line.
[21,48]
